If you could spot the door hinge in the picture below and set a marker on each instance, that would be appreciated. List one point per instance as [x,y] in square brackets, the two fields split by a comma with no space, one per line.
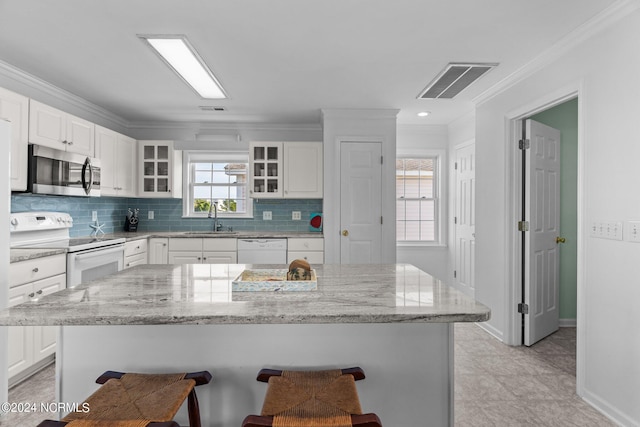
[524,144]
[455,219]
[381,222]
[381,160]
[523,308]
[455,274]
[523,225]
[455,165]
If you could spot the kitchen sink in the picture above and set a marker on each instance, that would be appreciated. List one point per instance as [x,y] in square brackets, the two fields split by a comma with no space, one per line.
[213,233]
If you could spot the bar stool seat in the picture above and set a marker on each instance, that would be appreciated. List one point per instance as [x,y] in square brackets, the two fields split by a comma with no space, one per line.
[137,400]
[326,398]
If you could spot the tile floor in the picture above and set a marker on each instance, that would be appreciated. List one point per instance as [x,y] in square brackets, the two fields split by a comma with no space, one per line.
[495,385]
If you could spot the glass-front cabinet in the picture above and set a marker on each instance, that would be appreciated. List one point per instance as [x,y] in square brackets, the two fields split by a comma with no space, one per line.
[265,159]
[158,169]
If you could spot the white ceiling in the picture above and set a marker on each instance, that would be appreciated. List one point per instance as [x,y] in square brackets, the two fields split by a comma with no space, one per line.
[281,61]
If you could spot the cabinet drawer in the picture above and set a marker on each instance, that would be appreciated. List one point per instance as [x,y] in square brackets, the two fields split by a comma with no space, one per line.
[219,244]
[133,260]
[135,247]
[220,257]
[310,257]
[20,294]
[36,269]
[185,244]
[311,244]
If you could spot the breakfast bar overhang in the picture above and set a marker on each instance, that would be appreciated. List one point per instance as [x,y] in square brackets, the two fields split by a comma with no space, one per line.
[394,320]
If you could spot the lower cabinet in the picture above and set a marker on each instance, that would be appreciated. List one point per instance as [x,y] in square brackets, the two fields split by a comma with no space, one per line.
[135,253]
[309,249]
[158,250]
[31,347]
[215,250]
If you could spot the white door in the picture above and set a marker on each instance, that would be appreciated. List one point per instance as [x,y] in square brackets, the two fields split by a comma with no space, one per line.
[542,211]
[360,203]
[465,218]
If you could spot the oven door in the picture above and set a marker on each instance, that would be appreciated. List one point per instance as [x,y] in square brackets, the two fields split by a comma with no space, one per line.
[93,264]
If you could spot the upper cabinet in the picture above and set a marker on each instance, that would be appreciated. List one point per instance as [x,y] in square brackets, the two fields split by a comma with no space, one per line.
[265,166]
[160,169]
[117,154]
[290,170]
[15,108]
[54,128]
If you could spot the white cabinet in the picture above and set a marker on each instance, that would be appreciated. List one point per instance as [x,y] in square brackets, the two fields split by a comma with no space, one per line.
[117,154]
[54,128]
[158,250]
[215,250]
[15,108]
[286,170]
[160,169]
[303,163]
[309,249]
[135,253]
[31,347]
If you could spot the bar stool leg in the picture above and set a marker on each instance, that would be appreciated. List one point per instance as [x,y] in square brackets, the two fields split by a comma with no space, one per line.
[194,409]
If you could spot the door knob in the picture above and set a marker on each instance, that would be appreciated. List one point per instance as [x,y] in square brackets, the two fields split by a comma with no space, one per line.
[560,240]
[345,233]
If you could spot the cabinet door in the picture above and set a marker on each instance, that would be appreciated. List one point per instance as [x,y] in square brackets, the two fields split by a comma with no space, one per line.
[126,154]
[220,257]
[133,260]
[156,168]
[47,126]
[310,256]
[185,244]
[106,141]
[80,136]
[15,108]
[45,337]
[303,163]
[185,257]
[265,169]
[158,250]
[20,337]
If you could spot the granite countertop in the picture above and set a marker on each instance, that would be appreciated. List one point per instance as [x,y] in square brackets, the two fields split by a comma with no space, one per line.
[21,254]
[136,235]
[201,294]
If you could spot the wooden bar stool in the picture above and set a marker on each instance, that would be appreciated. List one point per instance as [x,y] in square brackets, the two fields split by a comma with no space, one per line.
[312,399]
[138,400]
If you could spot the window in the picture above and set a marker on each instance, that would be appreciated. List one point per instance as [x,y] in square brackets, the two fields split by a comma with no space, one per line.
[216,178]
[417,201]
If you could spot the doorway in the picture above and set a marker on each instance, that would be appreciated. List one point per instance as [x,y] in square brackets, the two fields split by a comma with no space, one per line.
[561,114]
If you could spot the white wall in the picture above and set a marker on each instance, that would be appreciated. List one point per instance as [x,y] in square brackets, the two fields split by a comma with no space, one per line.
[606,67]
[424,139]
[5,129]
[358,125]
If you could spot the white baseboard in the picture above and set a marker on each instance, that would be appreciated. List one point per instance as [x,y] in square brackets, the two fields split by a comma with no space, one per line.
[567,323]
[491,330]
[609,411]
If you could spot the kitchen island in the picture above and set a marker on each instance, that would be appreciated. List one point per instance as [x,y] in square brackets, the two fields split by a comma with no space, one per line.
[394,321]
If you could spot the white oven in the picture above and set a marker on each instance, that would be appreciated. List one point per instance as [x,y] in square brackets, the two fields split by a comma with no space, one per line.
[88,258]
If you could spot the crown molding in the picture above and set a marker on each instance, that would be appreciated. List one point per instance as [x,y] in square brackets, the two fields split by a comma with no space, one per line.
[606,18]
[23,78]
[425,129]
[219,126]
[359,113]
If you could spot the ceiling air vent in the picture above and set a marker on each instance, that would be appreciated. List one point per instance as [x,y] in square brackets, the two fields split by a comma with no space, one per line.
[212,108]
[454,79]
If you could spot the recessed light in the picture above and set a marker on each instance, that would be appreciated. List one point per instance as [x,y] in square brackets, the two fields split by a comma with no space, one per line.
[424,113]
[178,53]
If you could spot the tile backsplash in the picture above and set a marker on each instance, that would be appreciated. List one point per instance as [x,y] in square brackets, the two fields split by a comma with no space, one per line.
[167,213]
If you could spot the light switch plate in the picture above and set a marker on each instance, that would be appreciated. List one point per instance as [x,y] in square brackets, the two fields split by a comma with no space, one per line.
[296,215]
[632,231]
[266,215]
[94,215]
[151,215]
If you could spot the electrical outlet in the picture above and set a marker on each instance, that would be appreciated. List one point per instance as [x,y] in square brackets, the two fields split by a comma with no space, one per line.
[94,216]
[632,231]
[151,215]
[266,216]
[296,215]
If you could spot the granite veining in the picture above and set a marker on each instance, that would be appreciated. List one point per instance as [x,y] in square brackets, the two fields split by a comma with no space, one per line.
[202,294]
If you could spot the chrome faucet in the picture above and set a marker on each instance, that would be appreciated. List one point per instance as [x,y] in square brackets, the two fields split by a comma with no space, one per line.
[214,206]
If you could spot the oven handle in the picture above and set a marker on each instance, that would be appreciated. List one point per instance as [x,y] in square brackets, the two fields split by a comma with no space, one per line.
[98,252]
[87,185]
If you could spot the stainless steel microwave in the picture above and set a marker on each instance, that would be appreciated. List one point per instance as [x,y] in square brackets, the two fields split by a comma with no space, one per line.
[58,172]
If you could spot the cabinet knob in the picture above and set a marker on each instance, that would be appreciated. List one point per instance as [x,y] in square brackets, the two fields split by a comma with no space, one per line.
[199,258]
[70,142]
[164,244]
[31,295]
[35,270]
[345,233]
[39,292]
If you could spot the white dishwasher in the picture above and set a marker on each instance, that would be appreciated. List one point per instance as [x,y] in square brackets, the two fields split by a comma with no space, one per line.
[262,251]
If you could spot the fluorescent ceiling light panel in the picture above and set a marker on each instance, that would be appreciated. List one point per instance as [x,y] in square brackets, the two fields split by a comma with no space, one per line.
[183,58]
